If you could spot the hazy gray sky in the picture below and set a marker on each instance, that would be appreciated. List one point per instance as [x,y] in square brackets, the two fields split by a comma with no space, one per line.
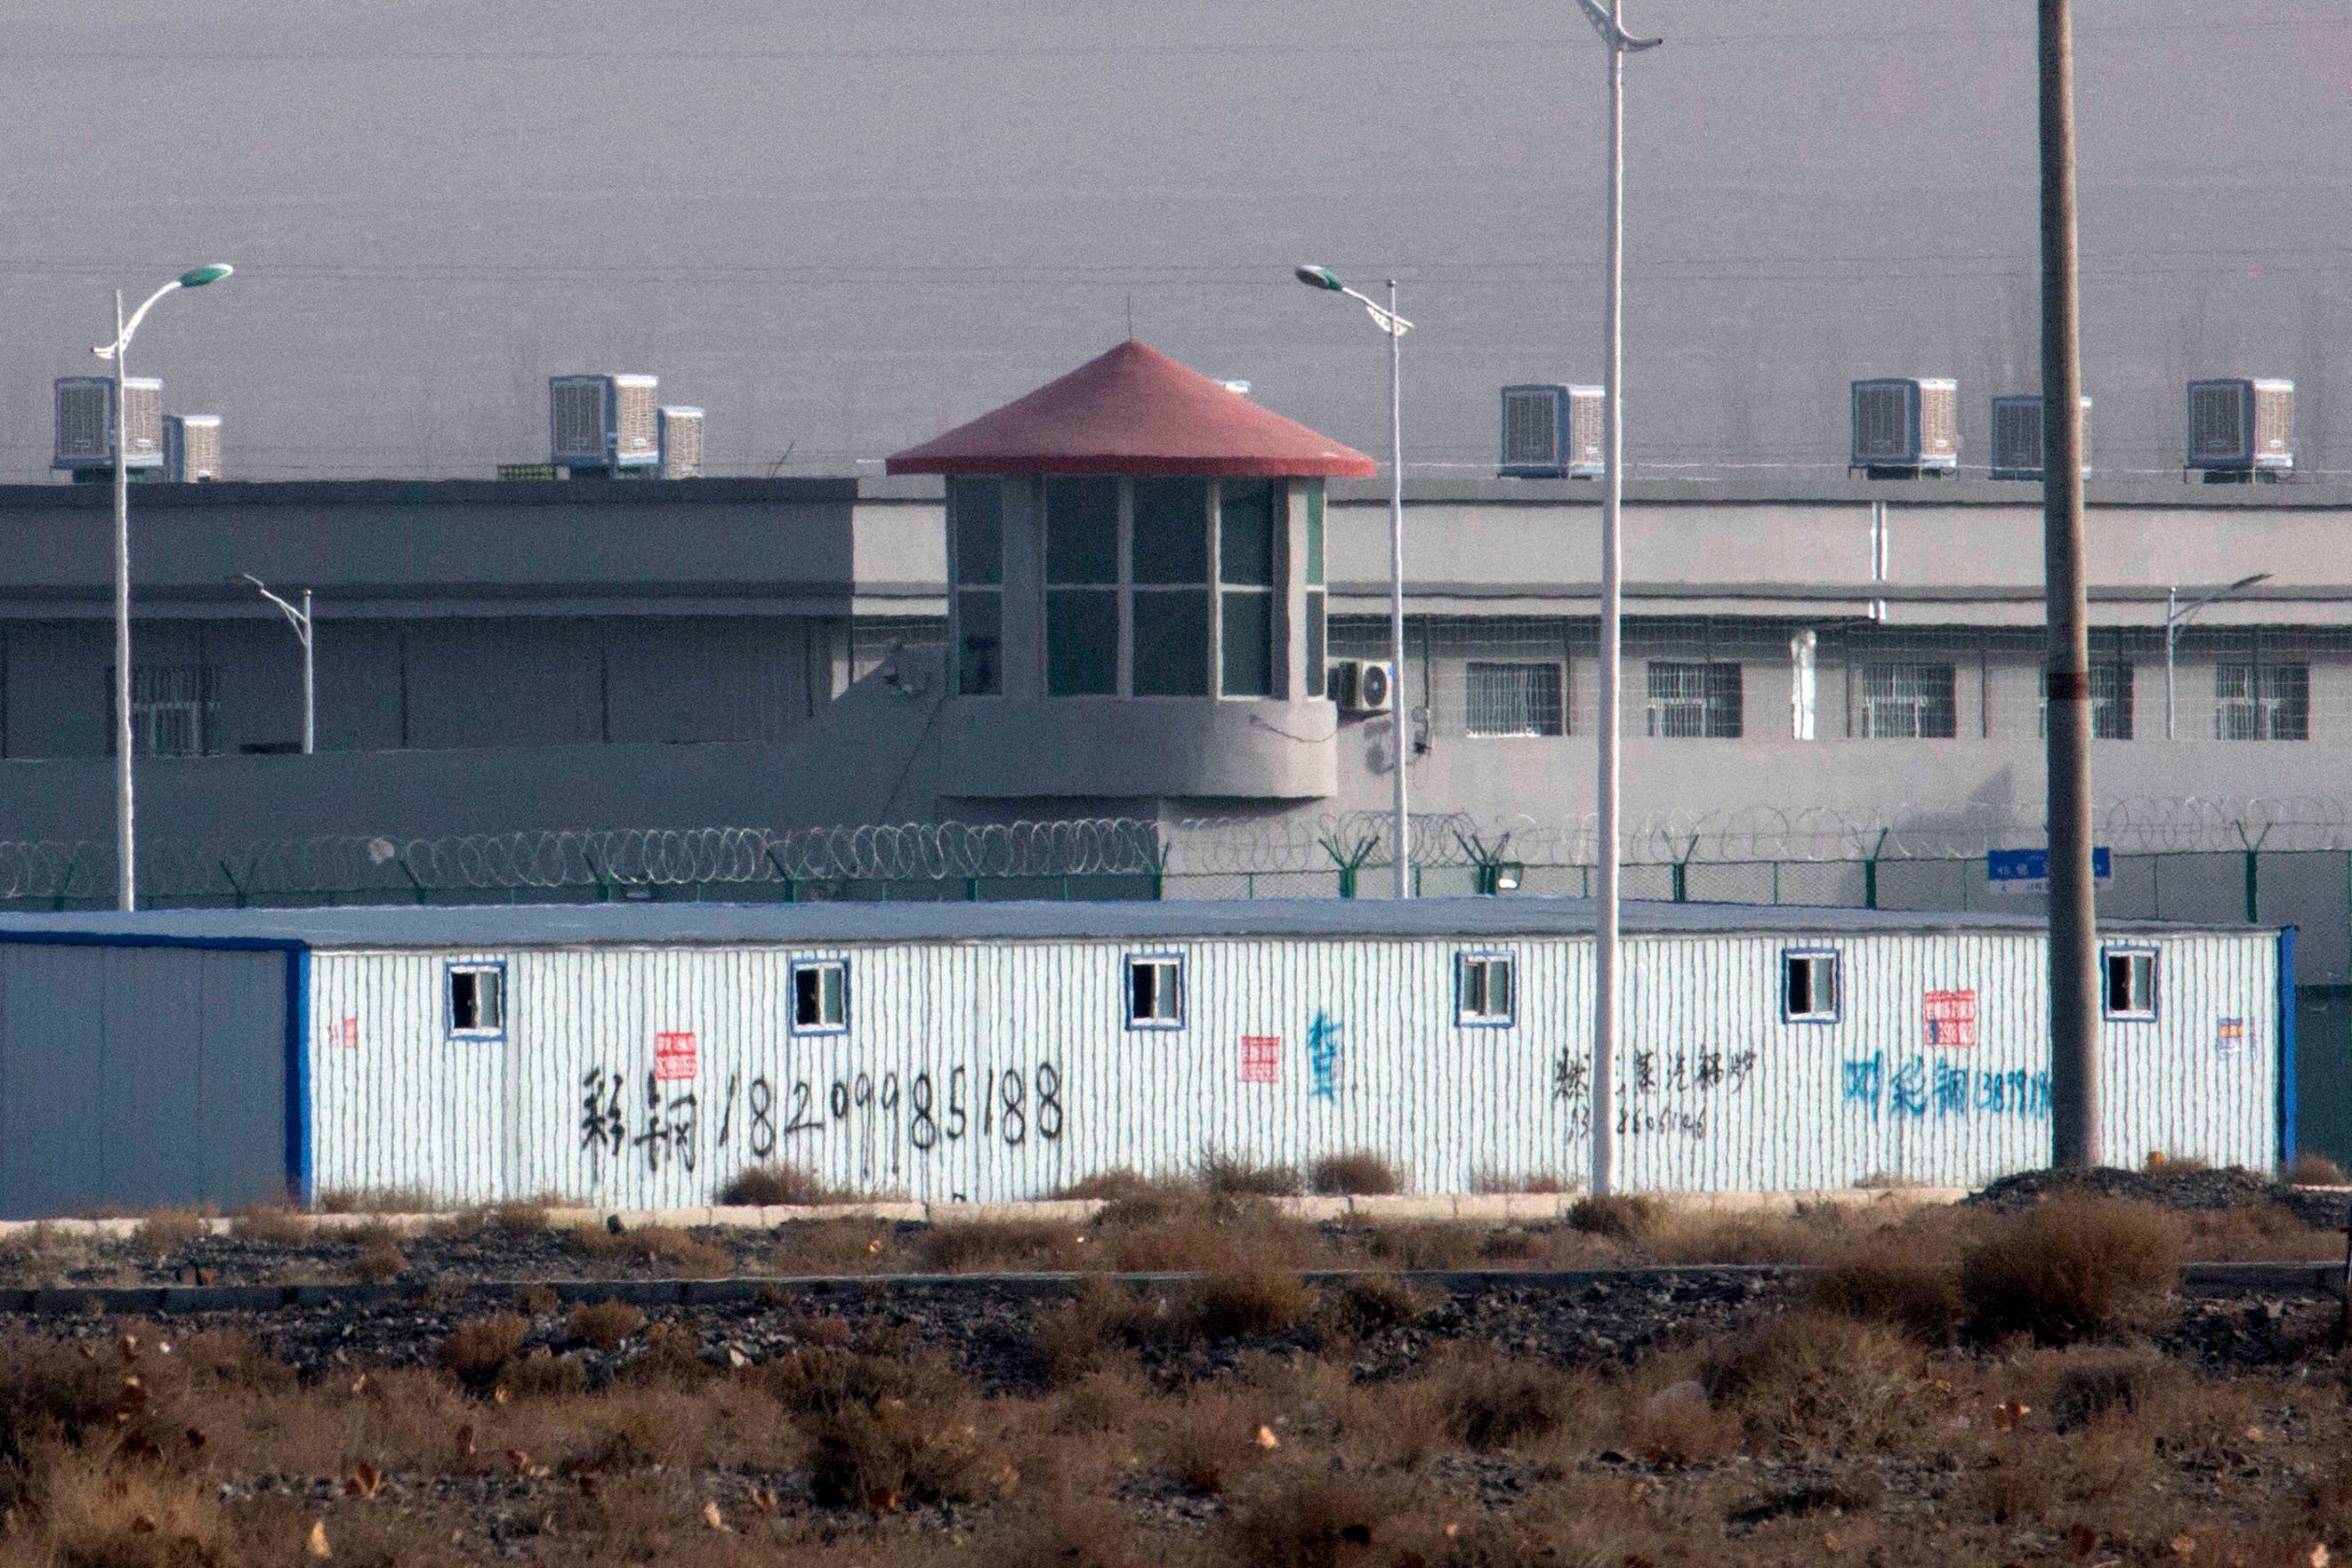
[842,227]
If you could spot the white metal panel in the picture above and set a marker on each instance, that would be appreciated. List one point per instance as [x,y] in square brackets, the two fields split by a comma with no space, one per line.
[988,1071]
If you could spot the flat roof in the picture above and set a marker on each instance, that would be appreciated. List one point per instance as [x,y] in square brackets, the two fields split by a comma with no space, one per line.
[475,927]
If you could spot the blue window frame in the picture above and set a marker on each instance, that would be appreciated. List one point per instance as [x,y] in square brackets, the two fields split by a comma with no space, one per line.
[1155,990]
[1812,985]
[1486,990]
[474,999]
[820,995]
[2128,983]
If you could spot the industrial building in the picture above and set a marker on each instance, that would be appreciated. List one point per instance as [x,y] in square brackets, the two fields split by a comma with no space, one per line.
[638,1057]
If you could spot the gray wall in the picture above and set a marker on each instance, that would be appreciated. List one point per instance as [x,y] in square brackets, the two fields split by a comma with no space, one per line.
[136,1077]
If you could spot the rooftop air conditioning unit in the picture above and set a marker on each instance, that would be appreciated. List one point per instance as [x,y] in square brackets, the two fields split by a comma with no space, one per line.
[1362,686]
[601,425]
[192,448]
[85,407]
[2241,429]
[1905,429]
[1552,432]
[2017,437]
[681,443]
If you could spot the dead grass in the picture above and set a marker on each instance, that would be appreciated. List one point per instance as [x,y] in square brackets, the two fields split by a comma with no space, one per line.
[1372,1302]
[1353,1173]
[1884,1281]
[1812,1381]
[1111,1185]
[676,1253]
[378,1200]
[1236,1176]
[164,1232]
[1251,1301]
[379,1254]
[2311,1169]
[1620,1216]
[515,1216]
[957,1248]
[781,1187]
[478,1349]
[1536,1183]
[605,1323]
[2072,1266]
[272,1225]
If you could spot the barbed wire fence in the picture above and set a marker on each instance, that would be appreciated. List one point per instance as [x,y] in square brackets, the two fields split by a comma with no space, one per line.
[2278,861]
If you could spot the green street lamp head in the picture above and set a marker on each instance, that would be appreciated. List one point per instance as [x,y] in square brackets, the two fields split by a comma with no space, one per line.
[1319,277]
[196,277]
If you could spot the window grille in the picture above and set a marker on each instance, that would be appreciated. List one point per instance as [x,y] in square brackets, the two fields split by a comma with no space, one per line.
[1694,701]
[1909,702]
[2262,702]
[1506,699]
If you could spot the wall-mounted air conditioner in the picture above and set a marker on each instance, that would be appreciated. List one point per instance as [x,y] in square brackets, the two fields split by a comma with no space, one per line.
[1905,429]
[681,443]
[2242,428]
[1552,431]
[1362,686]
[604,424]
[84,410]
[2017,437]
[192,448]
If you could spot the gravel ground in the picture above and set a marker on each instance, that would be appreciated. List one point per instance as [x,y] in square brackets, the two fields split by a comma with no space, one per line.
[2200,1191]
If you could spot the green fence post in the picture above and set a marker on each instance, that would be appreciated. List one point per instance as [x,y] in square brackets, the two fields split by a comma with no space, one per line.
[972,890]
[1870,872]
[2253,886]
[1679,881]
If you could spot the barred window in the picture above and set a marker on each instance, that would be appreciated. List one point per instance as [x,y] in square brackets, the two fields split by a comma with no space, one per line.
[1909,702]
[2262,702]
[175,710]
[1694,701]
[1515,699]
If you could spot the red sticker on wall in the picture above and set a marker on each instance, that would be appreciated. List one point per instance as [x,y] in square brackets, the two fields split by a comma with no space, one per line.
[351,1034]
[1952,1018]
[1261,1057]
[674,1057]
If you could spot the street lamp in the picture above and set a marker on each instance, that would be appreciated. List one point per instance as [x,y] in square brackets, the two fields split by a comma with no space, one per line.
[2174,620]
[300,620]
[1618,43]
[1385,318]
[118,351]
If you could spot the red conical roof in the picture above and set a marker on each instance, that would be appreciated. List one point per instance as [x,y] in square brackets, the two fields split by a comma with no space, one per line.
[1133,411]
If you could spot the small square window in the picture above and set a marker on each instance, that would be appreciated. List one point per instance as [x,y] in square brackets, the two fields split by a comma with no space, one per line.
[1484,995]
[1809,987]
[1155,992]
[821,997]
[2128,982]
[478,1001]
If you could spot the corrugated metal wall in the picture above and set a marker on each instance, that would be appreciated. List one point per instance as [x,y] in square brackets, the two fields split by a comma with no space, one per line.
[134,1077]
[1001,1070]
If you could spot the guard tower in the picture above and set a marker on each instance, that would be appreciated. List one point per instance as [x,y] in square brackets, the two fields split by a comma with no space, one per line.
[1136,609]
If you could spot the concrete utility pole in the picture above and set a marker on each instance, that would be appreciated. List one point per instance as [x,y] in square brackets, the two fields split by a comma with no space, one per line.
[1606,851]
[2073,936]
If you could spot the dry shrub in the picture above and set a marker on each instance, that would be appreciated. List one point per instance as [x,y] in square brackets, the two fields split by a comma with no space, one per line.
[781,1187]
[680,1253]
[272,1225]
[605,1323]
[214,1359]
[539,1374]
[1111,1185]
[163,1231]
[477,1348]
[1188,1229]
[1494,1182]
[2071,1267]
[1811,1380]
[376,1200]
[1236,1176]
[1881,1282]
[1107,1401]
[1353,1173]
[1310,1522]
[890,1429]
[1620,1216]
[1495,1401]
[817,1247]
[1372,1302]
[88,1514]
[537,1299]
[958,1248]
[1251,1301]
[2311,1169]
[2163,1163]
[1066,1530]
[672,1357]
[2256,1233]
[1078,1337]
[1429,1244]
[2106,1383]
[380,1257]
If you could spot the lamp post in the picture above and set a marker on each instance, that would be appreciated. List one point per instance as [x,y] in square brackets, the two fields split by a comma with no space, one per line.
[118,351]
[2175,619]
[1619,44]
[1385,318]
[300,620]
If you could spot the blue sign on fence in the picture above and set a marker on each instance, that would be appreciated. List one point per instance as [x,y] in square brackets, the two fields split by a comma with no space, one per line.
[2027,871]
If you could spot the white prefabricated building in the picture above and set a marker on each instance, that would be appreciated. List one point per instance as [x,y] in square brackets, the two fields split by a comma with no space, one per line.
[637,1056]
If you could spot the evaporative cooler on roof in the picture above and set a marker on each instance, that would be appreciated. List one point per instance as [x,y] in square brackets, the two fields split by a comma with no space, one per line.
[84,411]
[2240,428]
[681,443]
[1552,431]
[2017,437]
[1905,429]
[604,424]
[192,448]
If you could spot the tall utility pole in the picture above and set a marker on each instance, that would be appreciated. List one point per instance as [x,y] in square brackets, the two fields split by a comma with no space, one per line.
[1619,44]
[2073,939]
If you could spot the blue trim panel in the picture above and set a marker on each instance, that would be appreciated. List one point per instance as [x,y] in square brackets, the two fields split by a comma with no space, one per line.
[2286,1046]
[127,939]
[298,1074]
